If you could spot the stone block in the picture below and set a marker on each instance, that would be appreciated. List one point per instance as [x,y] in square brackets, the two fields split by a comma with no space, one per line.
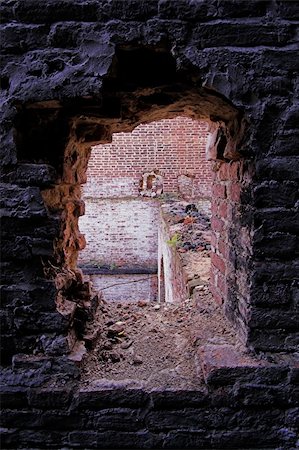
[47,228]
[8,436]
[26,321]
[62,420]
[133,10]
[8,154]
[274,318]
[287,9]
[6,321]
[50,398]
[19,38]
[182,439]
[259,395]
[292,118]
[274,340]
[40,438]
[111,440]
[182,10]
[271,294]
[250,34]
[54,345]
[21,419]
[239,8]
[225,365]
[42,175]
[118,419]
[69,34]
[262,437]
[80,438]
[110,394]
[13,397]
[63,366]
[40,296]
[271,194]
[286,144]
[294,396]
[7,347]
[50,11]
[21,202]
[282,58]
[197,419]
[174,399]
[292,418]
[25,362]
[278,168]
[271,271]
[277,245]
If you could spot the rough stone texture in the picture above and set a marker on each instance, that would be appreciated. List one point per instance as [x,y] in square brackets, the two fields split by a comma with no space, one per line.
[244,404]
[75,72]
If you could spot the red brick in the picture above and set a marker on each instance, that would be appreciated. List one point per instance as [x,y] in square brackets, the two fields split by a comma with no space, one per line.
[223,248]
[217,296]
[222,285]
[213,239]
[218,262]
[217,224]
[235,190]
[223,173]
[174,146]
[223,207]
[234,170]
[219,190]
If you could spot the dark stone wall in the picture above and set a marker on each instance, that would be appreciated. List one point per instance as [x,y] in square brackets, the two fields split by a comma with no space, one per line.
[73,73]
[252,406]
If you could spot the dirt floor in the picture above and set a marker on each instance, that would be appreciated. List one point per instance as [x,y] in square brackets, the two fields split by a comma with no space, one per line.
[153,344]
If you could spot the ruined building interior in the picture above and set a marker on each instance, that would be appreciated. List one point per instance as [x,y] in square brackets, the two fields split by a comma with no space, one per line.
[149,224]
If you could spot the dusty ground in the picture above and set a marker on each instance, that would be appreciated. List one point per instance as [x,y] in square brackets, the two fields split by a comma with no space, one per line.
[155,344]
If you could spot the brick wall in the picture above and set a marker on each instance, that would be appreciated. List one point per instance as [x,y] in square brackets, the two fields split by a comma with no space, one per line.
[126,288]
[174,147]
[120,233]
[120,227]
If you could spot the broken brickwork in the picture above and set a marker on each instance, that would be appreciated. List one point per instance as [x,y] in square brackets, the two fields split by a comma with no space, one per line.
[173,147]
[120,223]
[74,74]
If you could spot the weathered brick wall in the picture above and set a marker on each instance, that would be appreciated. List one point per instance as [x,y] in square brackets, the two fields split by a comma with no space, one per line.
[124,233]
[120,233]
[174,147]
[126,288]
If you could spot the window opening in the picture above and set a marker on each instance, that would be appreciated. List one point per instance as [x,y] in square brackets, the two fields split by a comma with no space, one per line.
[147,228]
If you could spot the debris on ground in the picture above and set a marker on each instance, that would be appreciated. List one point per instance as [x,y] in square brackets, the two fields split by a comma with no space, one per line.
[155,346]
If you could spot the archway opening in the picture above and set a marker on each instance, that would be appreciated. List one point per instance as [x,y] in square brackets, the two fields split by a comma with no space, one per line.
[125,104]
[148,199]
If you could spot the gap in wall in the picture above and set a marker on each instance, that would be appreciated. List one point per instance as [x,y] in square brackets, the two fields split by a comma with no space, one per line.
[128,181]
[147,228]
